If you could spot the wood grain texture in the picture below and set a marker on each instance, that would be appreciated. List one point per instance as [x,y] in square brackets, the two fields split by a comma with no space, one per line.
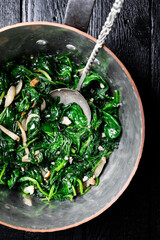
[49,10]
[135,40]
[155,50]
[10,12]
[155,96]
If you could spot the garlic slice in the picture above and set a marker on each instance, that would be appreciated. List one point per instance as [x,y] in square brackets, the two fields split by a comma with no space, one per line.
[80,70]
[97,172]
[23,123]
[30,117]
[99,168]
[43,105]
[19,87]
[24,137]
[9,133]
[25,158]
[10,96]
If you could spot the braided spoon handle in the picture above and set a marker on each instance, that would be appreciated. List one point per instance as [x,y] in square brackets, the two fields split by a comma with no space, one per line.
[101,39]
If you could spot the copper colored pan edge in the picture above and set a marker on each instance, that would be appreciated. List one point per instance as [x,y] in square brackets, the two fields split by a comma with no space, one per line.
[142,116]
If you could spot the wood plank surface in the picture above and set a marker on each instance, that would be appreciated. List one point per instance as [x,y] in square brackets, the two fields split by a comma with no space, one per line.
[10,12]
[136,42]
[155,118]
[49,10]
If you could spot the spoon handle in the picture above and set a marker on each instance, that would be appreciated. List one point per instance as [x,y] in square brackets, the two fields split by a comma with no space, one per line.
[101,38]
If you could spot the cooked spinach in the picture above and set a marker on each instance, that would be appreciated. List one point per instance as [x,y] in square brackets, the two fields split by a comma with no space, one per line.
[54,154]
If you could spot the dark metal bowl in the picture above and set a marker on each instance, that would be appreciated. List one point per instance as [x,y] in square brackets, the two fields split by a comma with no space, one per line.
[30,38]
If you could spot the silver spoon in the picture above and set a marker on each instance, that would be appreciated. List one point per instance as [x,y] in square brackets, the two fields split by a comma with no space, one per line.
[68,95]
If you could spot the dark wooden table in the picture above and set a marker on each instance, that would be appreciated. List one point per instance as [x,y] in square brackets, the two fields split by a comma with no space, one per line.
[135,39]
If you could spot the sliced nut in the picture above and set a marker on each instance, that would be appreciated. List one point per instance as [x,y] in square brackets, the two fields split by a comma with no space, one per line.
[29,189]
[66,121]
[91,181]
[25,158]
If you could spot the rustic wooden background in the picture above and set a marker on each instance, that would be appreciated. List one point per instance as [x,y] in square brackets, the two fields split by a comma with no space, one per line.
[135,40]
